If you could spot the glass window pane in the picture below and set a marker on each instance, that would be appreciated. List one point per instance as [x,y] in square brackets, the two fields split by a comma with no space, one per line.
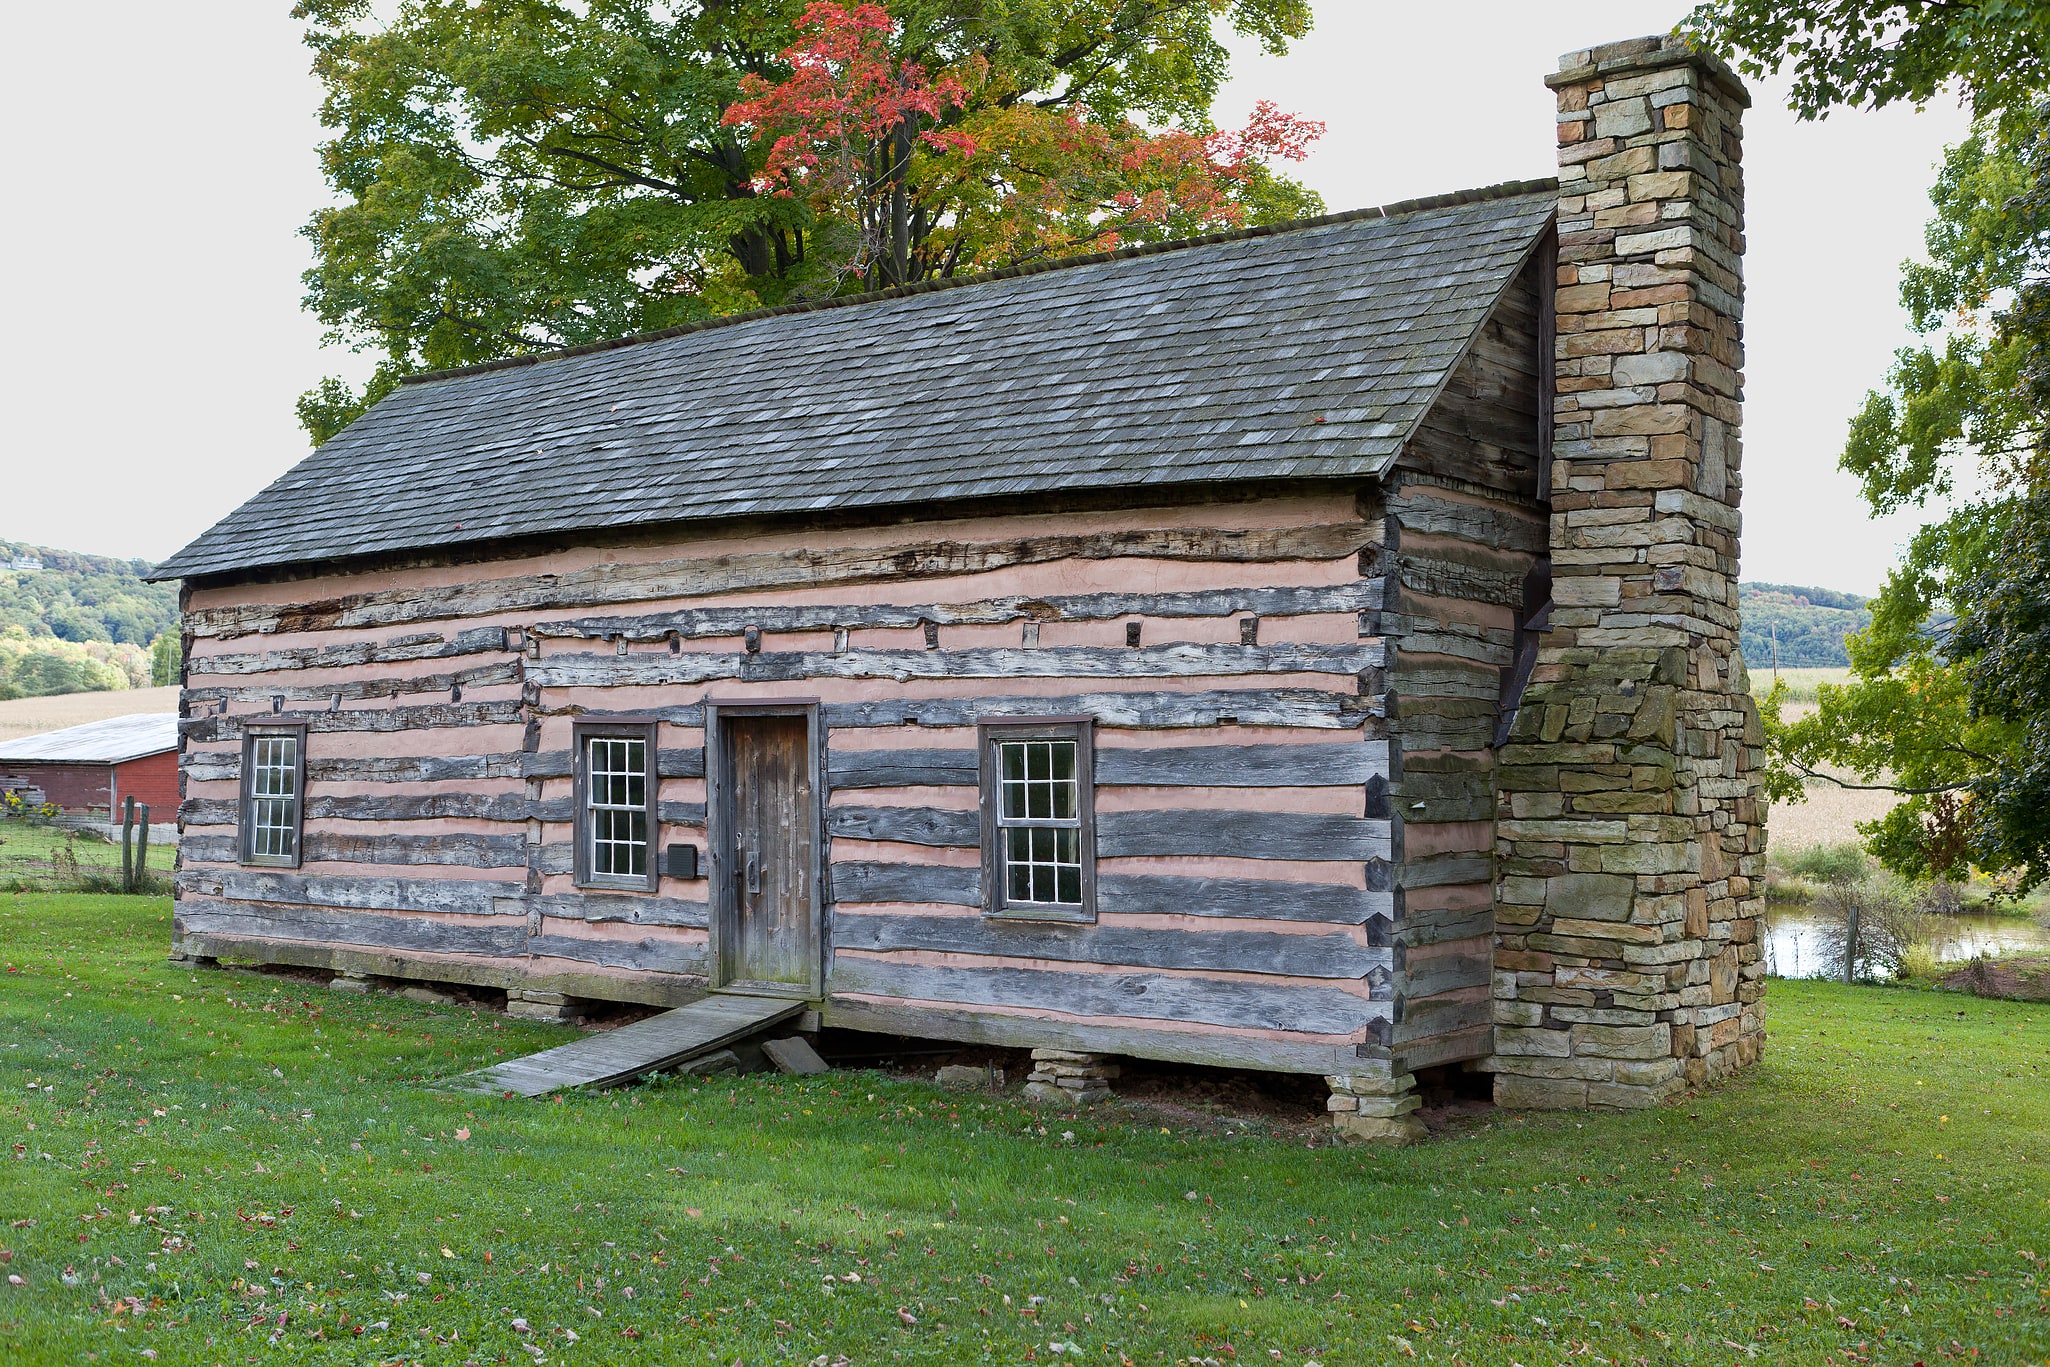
[1070,884]
[1013,759]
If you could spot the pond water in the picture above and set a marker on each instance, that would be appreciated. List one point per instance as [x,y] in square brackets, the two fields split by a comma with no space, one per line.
[1793,946]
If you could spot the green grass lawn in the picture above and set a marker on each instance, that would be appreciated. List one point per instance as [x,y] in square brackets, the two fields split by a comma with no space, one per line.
[32,856]
[221,1167]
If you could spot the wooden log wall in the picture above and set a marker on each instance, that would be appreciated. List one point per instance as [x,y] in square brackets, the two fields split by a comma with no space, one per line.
[1248,893]
[1464,528]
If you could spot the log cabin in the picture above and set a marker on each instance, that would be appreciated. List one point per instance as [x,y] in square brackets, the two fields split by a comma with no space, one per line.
[1309,648]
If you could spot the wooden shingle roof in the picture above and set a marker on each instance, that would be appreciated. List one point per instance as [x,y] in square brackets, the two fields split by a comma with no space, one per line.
[1310,350]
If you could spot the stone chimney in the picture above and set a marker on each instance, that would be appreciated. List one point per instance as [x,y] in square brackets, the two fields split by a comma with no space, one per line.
[1631,831]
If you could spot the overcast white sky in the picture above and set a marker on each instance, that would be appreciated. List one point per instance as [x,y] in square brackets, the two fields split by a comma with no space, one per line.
[162,163]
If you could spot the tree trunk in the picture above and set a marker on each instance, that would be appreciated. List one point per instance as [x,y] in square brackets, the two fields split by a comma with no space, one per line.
[900,205]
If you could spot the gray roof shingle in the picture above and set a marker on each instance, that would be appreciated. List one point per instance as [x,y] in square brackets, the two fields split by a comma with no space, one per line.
[1305,351]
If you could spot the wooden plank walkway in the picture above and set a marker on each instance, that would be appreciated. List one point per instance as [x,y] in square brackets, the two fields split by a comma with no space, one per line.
[617,1056]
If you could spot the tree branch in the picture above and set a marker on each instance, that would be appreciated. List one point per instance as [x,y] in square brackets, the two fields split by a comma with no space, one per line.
[1877,787]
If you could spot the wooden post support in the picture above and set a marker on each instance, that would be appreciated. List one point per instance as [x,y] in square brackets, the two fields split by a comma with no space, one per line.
[1851,944]
[142,848]
[127,854]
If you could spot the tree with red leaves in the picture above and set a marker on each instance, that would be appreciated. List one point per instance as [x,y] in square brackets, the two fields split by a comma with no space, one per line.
[909,173]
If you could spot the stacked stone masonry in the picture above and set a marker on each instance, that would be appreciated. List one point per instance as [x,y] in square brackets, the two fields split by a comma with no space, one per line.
[1066,1077]
[1376,1108]
[1631,836]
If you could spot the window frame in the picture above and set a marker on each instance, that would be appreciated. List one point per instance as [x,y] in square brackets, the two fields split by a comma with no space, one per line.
[581,736]
[246,815]
[989,732]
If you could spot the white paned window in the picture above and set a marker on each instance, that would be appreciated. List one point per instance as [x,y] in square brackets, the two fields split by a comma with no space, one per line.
[1040,817]
[616,806]
[274,798]
[272,803]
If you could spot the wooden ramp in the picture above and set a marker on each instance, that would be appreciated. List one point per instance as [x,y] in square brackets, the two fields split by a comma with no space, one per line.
[618,1056]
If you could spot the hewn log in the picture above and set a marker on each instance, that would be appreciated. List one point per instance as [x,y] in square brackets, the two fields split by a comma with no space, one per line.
[462,851]
[903,768]
[206,916]
[1249,898]
[1445,870]
[1127,894]
[1240,835]
[214,766]
[1439,925]
[1474,1041]
[611,906]
[1420,635]
[1440,1016]
[358,690]
[909,825]
[399,649]
[1441,576]
[1055,662]
[1203,999]
[934,884]
[1204,1047]
[628,583]
[1428,797]
[1411,678]
[464,896]
[1423,978]
[205,730]
[420,934]
[1202,766]
[692,623]
[1245,951]
[646,956]
[1502,525]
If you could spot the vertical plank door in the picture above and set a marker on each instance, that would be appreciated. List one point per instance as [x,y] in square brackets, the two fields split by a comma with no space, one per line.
[772,937]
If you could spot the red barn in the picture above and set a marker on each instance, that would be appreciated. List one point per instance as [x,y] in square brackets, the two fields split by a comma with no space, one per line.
[101,764]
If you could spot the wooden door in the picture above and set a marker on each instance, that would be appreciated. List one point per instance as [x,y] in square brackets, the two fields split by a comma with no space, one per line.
[768,920]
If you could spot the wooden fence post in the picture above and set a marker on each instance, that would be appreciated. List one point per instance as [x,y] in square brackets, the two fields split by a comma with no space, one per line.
[127,853]
[142,849]
[1851,944]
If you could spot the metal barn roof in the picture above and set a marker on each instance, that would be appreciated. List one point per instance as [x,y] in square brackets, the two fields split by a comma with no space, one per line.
[112,741]
[1301,351]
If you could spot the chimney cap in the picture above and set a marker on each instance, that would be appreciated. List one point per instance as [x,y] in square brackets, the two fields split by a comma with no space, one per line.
[1650,53]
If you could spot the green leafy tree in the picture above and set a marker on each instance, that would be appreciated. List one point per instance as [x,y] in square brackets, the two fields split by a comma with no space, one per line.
[166,659]
[1949,701]
[518,175]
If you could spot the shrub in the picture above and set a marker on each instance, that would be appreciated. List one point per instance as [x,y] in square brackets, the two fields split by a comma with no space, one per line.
[1894,932]
[1846,862]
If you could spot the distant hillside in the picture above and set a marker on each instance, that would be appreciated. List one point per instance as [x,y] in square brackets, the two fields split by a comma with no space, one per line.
[72,623]
[1810,625]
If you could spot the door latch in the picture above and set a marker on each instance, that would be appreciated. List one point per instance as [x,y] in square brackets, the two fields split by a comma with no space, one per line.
[751,871]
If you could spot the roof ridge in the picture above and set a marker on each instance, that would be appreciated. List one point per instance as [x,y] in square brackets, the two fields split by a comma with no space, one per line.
[1508,189]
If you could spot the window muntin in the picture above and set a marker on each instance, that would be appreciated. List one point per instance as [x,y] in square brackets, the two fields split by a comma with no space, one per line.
[616,803]
[273,797]
[1039,815]
[1038,819]
[615,806]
